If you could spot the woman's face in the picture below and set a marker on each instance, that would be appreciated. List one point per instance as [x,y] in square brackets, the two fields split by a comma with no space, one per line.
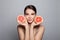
[30,15]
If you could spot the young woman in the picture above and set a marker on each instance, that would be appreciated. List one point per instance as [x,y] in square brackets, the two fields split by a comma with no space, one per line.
[30,30]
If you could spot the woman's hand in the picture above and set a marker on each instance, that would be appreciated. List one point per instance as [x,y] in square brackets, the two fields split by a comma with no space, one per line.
[34,24]
[37,21]
[22,21]
[25,24]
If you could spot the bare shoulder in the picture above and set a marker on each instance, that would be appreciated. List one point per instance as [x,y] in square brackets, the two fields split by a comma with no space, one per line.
[41,27]
[20,30]
[20,27]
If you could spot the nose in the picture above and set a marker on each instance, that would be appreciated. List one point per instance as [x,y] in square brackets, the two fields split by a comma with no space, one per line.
[29,16]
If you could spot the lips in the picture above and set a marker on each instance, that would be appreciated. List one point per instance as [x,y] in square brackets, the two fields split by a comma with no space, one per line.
[30,20]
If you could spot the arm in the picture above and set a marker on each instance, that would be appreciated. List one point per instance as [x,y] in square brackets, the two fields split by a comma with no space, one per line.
[20,33]
[24,35]
[40,33]
[31,33]
[27,33]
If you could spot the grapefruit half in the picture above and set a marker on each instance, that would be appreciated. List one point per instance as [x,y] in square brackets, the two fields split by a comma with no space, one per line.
[38,19]
[20,19]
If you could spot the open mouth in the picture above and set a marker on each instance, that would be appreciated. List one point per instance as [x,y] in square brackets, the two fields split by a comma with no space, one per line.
[29,20]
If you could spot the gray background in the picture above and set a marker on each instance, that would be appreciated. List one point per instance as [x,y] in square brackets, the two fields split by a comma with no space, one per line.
[10,9]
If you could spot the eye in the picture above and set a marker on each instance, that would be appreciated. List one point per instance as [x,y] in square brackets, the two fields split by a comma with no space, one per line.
[33,14]
[27,14]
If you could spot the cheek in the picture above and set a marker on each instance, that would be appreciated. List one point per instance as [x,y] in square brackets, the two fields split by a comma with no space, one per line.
[33,17]
[26,17]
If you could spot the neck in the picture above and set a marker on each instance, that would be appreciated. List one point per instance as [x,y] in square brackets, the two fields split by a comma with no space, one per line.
[29,24]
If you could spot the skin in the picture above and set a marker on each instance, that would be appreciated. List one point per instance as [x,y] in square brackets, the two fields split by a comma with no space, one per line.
[29,30]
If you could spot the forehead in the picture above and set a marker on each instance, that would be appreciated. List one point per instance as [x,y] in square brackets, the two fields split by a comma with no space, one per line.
[30,11]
